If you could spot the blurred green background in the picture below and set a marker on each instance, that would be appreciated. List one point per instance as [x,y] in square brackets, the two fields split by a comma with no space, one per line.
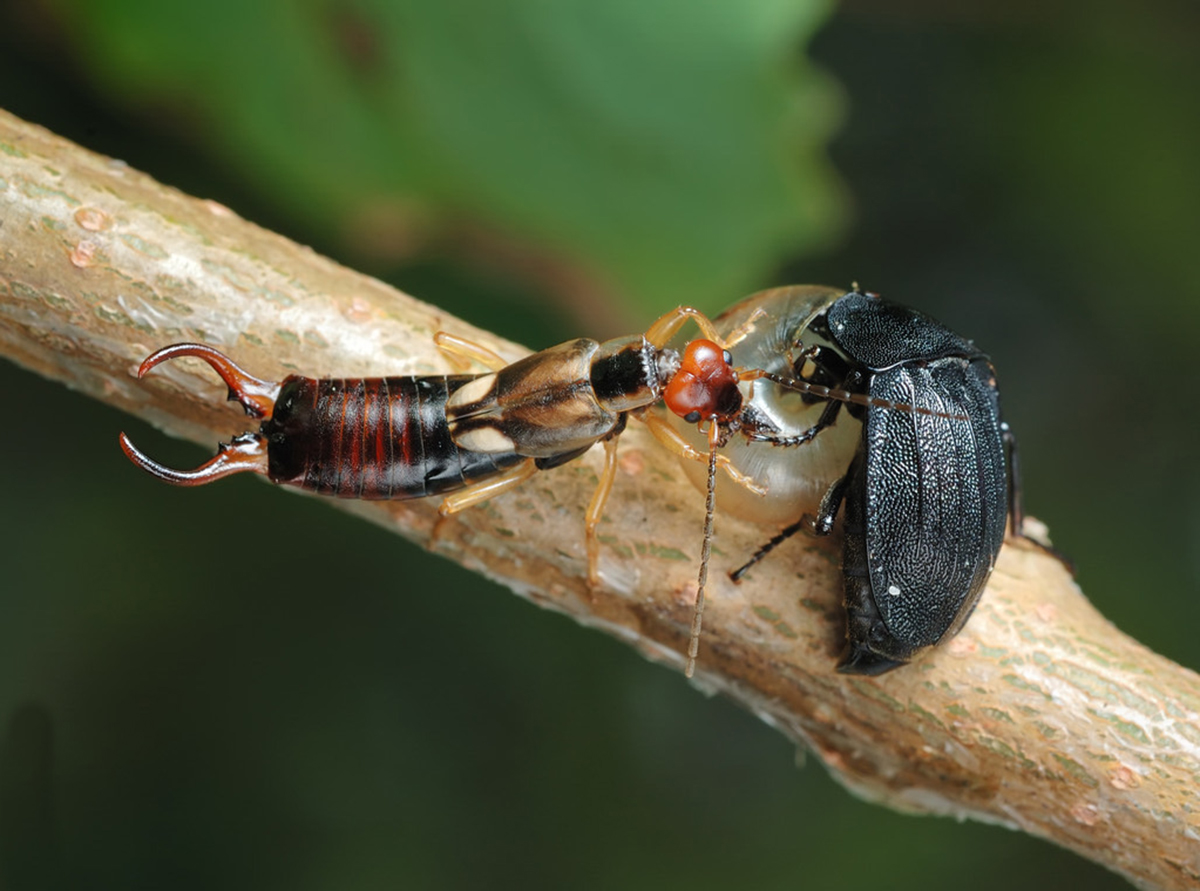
[173,717]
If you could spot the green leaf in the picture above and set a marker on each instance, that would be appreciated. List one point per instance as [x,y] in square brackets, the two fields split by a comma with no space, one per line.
[673,149]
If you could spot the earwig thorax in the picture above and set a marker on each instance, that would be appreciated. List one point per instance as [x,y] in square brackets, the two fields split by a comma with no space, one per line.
[668,362]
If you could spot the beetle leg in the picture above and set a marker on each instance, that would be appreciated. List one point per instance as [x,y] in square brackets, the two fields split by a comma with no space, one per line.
[805,522]
[822,524]
[827,419]
[676,444]
[831,502]
[825,360]
[595,509]
[1016,507]
[461,352]
[1016,510]
[489,488]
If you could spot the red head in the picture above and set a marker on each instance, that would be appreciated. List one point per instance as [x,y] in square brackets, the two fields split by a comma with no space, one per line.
[706,386]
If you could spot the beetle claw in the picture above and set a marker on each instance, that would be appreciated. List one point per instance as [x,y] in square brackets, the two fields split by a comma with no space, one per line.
[857,659]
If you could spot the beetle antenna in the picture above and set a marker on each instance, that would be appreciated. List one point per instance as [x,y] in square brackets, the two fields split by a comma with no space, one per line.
[714,438]
[824,392]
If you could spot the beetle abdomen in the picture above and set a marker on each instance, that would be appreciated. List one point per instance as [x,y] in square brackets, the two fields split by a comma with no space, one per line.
[372,438]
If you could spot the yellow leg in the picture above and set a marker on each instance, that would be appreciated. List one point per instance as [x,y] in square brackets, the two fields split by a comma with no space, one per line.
[461,352]
[743,330]
[595,509]
[489,488]
[670,438]
[669,324]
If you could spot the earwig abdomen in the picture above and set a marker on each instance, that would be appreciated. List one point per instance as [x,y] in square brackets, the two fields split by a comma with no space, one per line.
[372,438]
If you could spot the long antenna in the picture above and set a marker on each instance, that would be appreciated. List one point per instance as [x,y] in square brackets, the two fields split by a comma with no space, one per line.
[803,386]
[710,503]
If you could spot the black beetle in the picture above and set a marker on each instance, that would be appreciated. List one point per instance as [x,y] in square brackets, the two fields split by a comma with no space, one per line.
[928,496]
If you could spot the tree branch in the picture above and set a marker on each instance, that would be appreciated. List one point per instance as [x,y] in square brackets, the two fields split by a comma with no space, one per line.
[1040,715]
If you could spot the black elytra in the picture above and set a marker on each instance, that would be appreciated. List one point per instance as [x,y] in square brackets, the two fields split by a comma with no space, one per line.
[927,497]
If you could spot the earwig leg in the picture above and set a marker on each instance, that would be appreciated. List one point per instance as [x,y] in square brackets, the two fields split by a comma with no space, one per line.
[668,326]
[490,488]
[673,442]
[256,396]
[461,352]
[595,509]
[744,330]
[246,454]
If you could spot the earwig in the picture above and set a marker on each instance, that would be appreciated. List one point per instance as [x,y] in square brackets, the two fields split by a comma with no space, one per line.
[469,437]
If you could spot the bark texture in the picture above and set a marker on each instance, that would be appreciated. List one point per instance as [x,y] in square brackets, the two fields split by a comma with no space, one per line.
[1040,715]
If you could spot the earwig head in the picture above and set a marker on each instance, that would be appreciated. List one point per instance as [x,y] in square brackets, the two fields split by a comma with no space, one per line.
[706,385]
[246,453]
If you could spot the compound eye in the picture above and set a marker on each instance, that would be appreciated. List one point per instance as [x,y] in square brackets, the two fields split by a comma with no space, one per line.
[692,417]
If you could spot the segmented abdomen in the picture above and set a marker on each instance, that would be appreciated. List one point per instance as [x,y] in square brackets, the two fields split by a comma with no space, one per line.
[372,438]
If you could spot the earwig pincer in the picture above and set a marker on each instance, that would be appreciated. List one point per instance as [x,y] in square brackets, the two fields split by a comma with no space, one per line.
[470,437]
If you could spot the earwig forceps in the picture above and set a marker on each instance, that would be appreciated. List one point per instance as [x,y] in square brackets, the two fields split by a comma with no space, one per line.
[247,452]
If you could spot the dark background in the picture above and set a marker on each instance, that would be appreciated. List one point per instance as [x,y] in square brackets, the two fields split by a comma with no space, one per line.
[174,716]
